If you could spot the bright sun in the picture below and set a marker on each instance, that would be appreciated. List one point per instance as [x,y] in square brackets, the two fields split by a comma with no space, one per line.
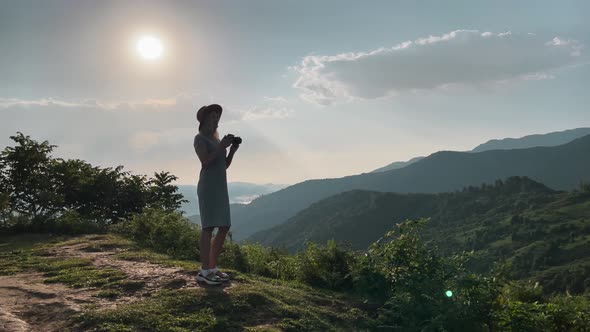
[149,47]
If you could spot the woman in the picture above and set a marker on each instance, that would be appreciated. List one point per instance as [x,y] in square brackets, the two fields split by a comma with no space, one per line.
[212,191]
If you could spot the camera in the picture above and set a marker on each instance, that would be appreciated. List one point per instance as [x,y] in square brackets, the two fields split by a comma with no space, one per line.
[235,139]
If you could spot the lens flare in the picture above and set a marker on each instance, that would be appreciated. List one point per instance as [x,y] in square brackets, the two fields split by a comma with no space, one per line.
[449,293]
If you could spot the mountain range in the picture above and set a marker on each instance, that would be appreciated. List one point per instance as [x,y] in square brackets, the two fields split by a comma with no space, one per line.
[550,139]
[560,167]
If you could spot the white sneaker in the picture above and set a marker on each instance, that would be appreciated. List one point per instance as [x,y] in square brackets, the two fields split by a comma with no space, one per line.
[222,275]
[209,279]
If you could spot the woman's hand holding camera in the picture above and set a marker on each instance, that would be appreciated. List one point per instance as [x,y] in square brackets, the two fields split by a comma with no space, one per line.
[234,147]
[226,141]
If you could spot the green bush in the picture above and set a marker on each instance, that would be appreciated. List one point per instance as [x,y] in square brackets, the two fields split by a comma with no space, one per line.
[165,231]
[15,224]
[233,256]
[414,281]
[70,222]
[254,258]
[328,267]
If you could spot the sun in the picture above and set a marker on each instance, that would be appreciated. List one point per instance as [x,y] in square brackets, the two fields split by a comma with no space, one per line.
[149,47]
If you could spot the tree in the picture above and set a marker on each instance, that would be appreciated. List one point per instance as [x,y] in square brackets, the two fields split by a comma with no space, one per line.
[26,177]
[164,194]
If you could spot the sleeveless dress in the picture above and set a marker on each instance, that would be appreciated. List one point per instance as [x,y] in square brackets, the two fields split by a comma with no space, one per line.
[212,187]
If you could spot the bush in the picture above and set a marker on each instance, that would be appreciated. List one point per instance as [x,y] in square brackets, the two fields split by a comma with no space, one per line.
[414,281]
[254,258]
[15,224]
[70,222]
[164,231]
[328,267]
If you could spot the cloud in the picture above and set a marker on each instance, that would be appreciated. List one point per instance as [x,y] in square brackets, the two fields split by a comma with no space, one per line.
[269,108]
[85,104]
[462,57]
[257,112]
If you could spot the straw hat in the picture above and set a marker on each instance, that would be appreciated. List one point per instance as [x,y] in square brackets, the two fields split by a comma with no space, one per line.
[203,111]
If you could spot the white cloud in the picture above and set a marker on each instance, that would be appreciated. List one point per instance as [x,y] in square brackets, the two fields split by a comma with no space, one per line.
[149,104]
[278,99]
[265,113]
[462,57]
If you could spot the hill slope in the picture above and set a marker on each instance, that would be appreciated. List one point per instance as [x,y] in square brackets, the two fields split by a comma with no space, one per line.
[544,233]
[560,167]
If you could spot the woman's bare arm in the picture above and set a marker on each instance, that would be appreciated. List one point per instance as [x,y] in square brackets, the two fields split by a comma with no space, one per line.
[229,158]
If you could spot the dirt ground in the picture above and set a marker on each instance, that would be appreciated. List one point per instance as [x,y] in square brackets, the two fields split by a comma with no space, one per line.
[28,304]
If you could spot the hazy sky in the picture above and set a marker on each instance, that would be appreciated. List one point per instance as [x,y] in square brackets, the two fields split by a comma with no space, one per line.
[316,89]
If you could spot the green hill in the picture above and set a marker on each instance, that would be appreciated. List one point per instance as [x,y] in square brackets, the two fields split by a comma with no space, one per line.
[544,233]
[561,167]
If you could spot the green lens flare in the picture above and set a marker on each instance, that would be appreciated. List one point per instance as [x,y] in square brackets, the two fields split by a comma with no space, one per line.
[449,293]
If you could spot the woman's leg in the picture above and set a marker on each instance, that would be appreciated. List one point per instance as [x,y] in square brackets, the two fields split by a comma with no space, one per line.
[217,245]
[205,247]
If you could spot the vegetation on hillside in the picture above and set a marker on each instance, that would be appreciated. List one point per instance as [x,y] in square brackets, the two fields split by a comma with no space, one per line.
[403,281]
[544,234]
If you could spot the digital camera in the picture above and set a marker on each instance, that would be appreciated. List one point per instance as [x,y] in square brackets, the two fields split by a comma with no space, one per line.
[235,139]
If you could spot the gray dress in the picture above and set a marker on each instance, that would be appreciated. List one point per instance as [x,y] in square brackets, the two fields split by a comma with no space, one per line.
[212,187]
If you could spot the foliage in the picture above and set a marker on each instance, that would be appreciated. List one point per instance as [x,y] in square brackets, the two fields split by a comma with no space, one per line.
[163,230]
[26,177]
[415,280]
[48,192]
[329,267]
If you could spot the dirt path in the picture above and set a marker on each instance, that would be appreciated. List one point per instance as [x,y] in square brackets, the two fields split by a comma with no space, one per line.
[28,304]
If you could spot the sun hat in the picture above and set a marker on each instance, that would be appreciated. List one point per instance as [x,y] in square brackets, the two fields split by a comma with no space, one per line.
[203,111]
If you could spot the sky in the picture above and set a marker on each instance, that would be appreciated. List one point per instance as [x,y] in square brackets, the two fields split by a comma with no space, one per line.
[316,89]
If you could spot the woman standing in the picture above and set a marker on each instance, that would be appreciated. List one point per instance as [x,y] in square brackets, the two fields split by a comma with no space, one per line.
[212,191]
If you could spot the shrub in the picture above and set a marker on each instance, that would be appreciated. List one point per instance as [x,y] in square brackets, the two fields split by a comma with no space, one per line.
[70,222]
[328,267]
[164,231]
[415,281]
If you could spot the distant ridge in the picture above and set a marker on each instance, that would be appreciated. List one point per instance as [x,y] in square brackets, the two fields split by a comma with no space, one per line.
[529,141]
[397,165]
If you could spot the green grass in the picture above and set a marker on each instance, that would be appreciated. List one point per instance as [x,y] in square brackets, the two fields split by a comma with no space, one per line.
[146,255]
[27,241]
[254,305]
[28,252]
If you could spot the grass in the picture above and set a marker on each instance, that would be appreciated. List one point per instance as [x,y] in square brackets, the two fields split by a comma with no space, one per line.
[27,241]
[146,255]
[252,303]
[29,252]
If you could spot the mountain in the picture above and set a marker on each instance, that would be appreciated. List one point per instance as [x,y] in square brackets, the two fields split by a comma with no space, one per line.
[530,141]
[361,217]
[239,192]
[544,233]
[550,139]
[397,164]
[561,167]
[195,219]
